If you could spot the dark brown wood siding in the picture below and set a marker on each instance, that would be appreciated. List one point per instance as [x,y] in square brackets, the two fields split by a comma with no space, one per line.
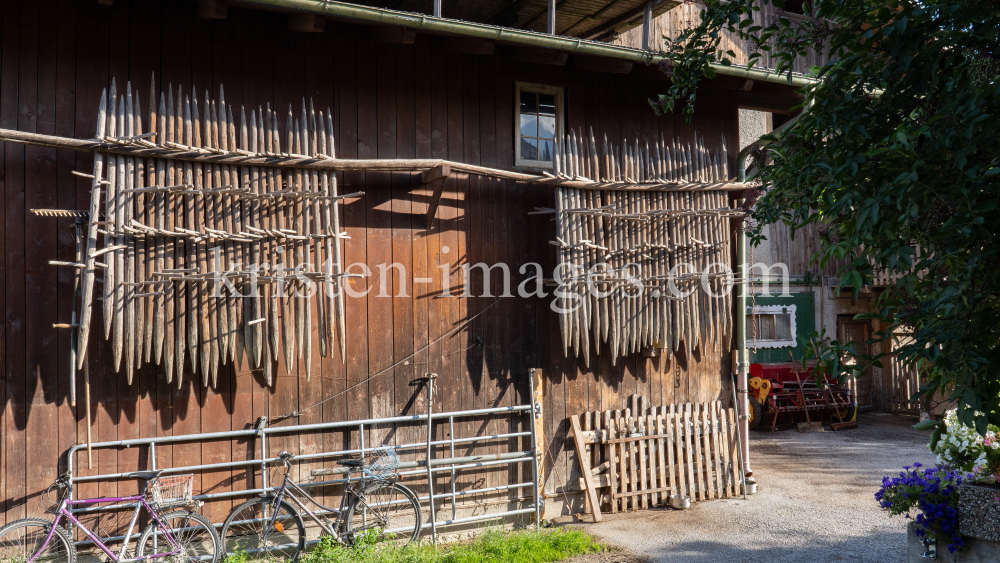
[389,101]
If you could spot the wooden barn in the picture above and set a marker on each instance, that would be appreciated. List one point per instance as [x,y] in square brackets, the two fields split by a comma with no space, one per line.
[496,120]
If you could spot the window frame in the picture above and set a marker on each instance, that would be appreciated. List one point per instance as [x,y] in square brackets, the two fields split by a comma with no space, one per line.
[775,310]
[557,91]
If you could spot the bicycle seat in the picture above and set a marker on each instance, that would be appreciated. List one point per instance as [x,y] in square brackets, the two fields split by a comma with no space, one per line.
[351,462]
[145,475]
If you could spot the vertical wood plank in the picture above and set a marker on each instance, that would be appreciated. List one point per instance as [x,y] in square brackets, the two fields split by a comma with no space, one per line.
[651,454]
[354,144]
[614,469]
[706,444]
[699,463]
[65,119]
[734,460]
[682,485]
[716,452]
[642,451]
[537,398]
[38,114]
[662,451]
[13,271]
[588,477]
[689,454]
[623,465]
[380,139]
[633,460]
[730,486]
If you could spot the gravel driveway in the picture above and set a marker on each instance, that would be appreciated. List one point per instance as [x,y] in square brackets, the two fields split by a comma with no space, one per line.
[814,502]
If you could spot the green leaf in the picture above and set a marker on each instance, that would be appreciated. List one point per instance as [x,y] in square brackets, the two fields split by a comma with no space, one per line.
[935,437]
[926,424]
[981,424]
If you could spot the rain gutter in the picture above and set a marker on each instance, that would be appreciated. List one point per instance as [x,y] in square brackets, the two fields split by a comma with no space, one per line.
[423,22]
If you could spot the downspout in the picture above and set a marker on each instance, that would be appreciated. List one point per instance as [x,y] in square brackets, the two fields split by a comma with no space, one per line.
[742,360]
[383,16]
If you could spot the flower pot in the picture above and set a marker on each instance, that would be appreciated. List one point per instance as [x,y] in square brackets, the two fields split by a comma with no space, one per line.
[979,512]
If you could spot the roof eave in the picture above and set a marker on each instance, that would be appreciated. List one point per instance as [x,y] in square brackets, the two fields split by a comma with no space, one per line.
[383,16]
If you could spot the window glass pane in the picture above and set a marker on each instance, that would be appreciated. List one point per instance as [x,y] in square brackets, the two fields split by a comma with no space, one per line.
[546,127]
[545,150]
[529,148]
[547,104]
[529,125]
[783,326]
[529,102]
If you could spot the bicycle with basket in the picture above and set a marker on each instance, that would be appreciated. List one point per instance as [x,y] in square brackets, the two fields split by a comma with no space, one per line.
[374,507]
[178,536]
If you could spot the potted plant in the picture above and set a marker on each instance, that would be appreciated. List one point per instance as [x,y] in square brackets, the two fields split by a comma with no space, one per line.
[965,449]
[933,493]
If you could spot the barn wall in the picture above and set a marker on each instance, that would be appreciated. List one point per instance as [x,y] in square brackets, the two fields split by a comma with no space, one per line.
[389,101]
[673,22]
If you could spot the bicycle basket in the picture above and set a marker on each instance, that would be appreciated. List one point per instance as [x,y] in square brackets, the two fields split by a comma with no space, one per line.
[171,491]
[380,462]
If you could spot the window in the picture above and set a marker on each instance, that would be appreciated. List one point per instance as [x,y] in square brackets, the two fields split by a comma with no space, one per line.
[775,325]
[537,119]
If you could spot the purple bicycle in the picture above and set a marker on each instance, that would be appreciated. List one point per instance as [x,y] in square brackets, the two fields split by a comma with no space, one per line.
[180,536]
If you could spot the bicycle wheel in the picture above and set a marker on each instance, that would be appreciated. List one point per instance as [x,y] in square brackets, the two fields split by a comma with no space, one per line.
[22,539]
[245,531]
[383,512]
[194,534]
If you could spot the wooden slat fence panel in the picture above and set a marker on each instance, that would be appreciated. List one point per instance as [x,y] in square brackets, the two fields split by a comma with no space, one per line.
[903,379]
[638,459]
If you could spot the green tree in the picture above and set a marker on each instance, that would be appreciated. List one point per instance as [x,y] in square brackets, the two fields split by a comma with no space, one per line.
[897,147]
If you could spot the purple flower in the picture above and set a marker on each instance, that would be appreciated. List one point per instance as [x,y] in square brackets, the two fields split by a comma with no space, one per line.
[930,491]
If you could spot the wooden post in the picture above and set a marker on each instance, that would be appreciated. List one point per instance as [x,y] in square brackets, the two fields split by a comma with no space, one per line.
[647,24]
[583,457]
[435,177]
[538,383]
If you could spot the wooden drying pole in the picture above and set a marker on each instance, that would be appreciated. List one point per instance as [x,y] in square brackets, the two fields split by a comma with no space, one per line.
[176,151]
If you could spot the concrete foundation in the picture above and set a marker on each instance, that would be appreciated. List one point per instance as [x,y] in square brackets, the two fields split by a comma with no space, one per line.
[975,550]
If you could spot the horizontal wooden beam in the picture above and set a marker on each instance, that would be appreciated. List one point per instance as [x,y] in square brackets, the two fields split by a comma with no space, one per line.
[602,64]
[767,102]
[392,34]
[306,23]
[212,9]
[539,56]
[189,154]
[469,45]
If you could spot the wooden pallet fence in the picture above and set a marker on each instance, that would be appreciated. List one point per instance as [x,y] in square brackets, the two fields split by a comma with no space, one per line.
[634,459]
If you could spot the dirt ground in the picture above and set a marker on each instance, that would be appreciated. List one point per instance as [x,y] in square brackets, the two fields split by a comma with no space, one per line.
[814,503]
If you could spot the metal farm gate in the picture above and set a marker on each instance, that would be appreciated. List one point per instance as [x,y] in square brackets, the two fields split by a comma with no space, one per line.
[437,448]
